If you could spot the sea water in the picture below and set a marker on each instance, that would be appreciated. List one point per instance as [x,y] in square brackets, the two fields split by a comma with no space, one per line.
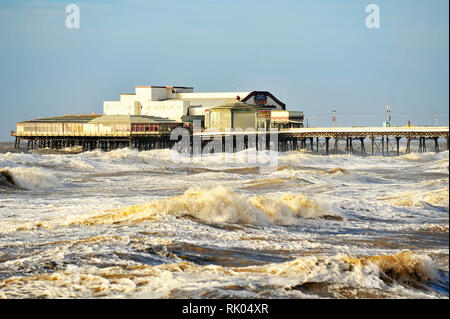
[129,224]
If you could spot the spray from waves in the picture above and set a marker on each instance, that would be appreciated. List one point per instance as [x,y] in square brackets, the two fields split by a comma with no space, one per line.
[426,157]
[50,161]
[66,150]
[392,275]
[217,205]
[416,199]
[27,178]
[124,156]
[238,162]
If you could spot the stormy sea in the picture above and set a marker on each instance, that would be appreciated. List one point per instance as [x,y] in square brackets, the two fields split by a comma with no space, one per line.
[130,224]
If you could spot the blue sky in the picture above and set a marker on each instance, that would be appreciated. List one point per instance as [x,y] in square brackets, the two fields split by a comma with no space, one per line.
[319,52]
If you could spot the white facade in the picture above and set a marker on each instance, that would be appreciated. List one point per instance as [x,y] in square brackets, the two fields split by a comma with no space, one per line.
[173,101]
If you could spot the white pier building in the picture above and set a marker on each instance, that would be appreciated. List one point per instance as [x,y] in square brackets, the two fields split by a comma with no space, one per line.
[174,102]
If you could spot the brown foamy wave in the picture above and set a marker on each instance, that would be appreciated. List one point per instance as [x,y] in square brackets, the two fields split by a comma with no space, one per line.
[221,205]
[384,274]
[406,267]
[336,170]
[217,205]
[438,196]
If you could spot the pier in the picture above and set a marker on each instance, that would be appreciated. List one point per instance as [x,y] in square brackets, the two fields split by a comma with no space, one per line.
[362,141]
[92,141]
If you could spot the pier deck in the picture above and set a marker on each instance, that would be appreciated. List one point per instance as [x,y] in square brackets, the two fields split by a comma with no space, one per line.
[383,140]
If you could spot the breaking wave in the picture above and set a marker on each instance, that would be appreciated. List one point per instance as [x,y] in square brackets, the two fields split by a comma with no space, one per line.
[426,157]
[221,205]
[6,180]
[127,155]
[335,276]
[27,178]
[217,205]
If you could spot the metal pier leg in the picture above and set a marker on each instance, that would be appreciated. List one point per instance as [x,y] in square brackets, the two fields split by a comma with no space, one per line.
[372,139]
[387,145]
[436,145]
[382,146]
[398,145]
[317,145]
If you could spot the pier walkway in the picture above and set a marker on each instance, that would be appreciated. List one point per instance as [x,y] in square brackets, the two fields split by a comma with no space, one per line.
[349,140]
[383,140]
